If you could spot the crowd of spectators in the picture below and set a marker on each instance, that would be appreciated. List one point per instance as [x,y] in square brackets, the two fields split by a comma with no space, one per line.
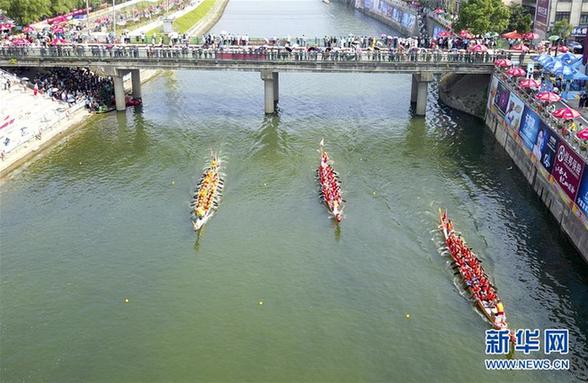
[72,85]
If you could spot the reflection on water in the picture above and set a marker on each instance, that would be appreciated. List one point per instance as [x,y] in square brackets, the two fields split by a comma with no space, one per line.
[105,216]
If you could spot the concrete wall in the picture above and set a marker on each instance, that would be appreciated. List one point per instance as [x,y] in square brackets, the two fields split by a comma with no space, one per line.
[466,93]
[383,13]
[571,220]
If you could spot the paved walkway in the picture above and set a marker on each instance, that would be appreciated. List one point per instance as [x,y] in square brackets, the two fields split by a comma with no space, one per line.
[155,24]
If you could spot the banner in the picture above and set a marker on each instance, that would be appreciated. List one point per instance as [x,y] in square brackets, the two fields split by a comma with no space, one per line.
[541,17]
[582,200]
[546,146]
[530,123]
[513,115]
[493,88]
[567,170]
[501,98]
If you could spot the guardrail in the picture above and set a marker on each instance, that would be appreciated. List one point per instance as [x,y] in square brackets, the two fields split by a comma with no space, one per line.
[251,53]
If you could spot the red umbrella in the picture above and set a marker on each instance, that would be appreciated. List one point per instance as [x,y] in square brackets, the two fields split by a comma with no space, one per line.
[439,10]
[583,134]
[548,97]
[444,34]
[503,63]
[465,34]
[479,48]
[57,41]
[529,83]
[530,36]
[563,49]
[566,113]
[520,47]
[516,72]
[512,35]
[28,29]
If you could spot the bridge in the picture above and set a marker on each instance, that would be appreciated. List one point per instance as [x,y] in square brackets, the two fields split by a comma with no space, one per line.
[118,61]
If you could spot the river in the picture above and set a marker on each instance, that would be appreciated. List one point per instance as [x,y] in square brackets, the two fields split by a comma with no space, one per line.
[272,290]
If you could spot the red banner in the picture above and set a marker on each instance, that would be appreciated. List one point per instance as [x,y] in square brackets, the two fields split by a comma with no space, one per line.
[567,170]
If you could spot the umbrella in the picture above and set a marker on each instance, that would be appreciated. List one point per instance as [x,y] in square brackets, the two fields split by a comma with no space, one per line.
[544,59]
[520,47]
[24,79]
[491,35]
[503,63]
[566,113]
[554,38]
[583,134]
[548,97]
[563,49]
[28,29]
[479,48]
[530,36]
[529,83]
[444,34]
[516,72]
[512,35]
[439,10]
[465,34]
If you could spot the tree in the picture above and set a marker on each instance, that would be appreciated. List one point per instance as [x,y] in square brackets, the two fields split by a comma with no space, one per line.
[563,29]
[482,16]
[520,19]
[29,11]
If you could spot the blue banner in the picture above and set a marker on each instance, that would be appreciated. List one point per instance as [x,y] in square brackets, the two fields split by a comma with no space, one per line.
[582,199]
[546,146]
[530,124]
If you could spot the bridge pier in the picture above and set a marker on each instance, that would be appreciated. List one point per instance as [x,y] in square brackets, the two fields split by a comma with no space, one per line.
[414,90]
[119,92]
[422,81]
[136,83]
[276,77]
[270,90]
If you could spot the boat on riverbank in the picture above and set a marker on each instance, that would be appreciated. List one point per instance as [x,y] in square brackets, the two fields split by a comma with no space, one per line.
[330,184]
[208,194]
[474,278]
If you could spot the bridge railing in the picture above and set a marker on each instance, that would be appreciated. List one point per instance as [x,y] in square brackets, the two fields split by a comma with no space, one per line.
[254,54]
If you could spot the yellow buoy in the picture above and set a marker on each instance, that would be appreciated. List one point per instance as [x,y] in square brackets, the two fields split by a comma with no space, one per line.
[374,193]
[126,300]
[260,302]
[173,182]
[407,316]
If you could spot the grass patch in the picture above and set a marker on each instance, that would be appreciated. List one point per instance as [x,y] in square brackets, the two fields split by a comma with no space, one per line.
[187,21]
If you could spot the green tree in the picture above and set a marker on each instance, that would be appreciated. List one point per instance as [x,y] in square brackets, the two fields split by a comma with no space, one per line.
[520,19]
[563,29]
[482,16]
[26,11]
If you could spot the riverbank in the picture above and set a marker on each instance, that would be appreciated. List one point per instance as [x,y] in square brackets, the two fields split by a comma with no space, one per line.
[42,123]
[555,168]
[53,121]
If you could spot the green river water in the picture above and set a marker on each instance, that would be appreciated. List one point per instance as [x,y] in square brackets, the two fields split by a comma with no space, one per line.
[104,217]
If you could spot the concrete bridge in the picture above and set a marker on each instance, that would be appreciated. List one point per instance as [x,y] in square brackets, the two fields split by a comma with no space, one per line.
[269,61]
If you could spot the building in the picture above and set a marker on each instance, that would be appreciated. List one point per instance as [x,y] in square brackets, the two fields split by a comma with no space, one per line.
[550,11]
